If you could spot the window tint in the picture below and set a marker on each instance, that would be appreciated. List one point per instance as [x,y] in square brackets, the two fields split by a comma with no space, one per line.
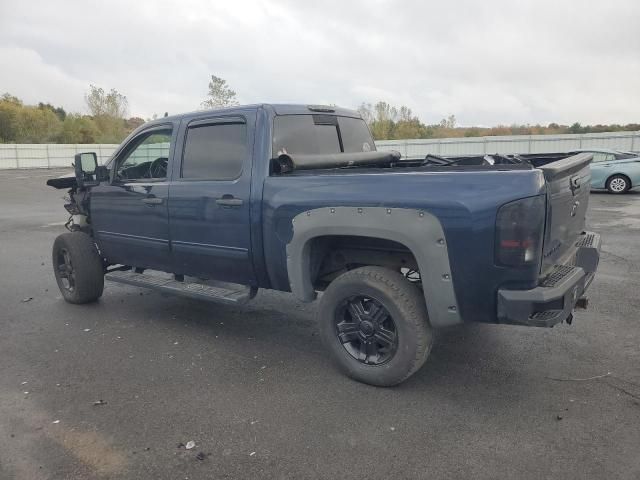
[215,152]
[355,135]
[299,134]
[318,135]
[146,157]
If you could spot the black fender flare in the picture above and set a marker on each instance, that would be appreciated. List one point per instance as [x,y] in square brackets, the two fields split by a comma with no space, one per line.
[420,231]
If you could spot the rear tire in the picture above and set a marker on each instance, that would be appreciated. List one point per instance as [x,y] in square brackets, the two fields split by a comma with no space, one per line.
[618,184]
[78,268]
[375,324]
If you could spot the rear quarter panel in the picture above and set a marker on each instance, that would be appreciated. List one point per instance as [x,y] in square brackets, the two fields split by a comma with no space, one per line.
[465,202]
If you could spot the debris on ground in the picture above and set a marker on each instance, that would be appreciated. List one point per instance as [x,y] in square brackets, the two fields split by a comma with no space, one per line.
[99,402]
[190,444]
[56,421]
[252,454]
[24,383]
[28,299]
[87,329]
[558,417]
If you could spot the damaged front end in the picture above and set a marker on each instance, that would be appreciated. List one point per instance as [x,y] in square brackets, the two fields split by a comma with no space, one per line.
[87,174]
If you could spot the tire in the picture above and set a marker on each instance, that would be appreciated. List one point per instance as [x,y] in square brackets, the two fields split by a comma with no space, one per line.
[78,268]
[618,184]
[355,298]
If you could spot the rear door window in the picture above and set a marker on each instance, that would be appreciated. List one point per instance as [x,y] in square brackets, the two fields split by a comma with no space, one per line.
[214,151]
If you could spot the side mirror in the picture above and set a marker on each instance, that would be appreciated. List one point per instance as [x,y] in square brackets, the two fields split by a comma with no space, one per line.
[85,165]
[102,173]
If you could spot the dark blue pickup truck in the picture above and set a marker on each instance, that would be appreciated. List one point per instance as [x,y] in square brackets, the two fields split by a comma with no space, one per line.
[216,204]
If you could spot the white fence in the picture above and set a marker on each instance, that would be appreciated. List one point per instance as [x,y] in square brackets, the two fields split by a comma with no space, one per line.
[627,141]
[48,155]
[57,155]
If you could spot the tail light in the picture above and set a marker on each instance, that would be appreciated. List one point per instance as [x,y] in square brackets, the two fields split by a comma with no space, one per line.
[519,232]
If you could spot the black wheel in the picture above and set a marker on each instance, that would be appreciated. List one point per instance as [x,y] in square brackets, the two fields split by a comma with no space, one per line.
[374,322]
[618,184]
[78,268]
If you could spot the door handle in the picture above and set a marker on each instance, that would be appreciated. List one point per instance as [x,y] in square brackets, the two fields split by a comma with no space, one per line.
[151,201]
[229,201]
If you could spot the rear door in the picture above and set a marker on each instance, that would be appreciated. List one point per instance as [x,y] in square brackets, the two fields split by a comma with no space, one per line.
[209,198]
[129,213]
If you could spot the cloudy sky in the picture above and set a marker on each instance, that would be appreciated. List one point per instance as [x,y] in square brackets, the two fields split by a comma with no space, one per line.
[487,62]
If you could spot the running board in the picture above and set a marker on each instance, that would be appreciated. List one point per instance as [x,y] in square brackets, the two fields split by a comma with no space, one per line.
[232,295]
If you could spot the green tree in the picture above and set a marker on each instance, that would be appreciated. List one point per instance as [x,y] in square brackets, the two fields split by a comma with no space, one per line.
[108,110]
[59,111]
[8,113]
[220,94]
[78,128]
[35,125]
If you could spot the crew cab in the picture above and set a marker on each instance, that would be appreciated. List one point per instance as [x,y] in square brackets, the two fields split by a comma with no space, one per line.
[217,204]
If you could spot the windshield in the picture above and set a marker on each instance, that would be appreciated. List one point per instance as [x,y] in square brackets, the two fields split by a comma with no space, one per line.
[320,134]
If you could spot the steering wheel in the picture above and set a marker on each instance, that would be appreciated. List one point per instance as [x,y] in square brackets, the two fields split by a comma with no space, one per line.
[158,168]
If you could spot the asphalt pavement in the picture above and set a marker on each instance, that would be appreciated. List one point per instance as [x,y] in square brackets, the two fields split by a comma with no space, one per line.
[117,389]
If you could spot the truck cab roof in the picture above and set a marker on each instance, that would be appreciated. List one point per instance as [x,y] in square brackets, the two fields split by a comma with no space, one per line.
[274,108]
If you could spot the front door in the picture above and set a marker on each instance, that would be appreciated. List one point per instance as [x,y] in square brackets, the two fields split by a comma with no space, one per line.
[209,198]
[129,214]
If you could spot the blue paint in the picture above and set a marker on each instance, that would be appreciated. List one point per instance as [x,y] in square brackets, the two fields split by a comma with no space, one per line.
[190,233]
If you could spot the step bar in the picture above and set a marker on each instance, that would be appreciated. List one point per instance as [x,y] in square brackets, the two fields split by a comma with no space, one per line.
[234,295]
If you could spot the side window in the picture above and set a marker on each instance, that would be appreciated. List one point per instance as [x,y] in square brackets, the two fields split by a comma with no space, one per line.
[599,157]
[214,151]
[146,157]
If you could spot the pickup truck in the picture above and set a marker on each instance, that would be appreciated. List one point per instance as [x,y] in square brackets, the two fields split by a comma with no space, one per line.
[217,204]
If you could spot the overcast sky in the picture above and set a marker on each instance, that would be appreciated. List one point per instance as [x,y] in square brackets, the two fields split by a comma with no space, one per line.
[487,62]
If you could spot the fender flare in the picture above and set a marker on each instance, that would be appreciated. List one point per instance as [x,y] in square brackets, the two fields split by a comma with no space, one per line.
[419,231]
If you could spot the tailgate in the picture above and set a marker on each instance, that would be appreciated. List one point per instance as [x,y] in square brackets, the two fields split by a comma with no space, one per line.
[568,184]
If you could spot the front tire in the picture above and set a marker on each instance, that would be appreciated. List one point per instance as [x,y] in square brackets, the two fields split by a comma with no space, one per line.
[375,324]
[618,184]
[78,268]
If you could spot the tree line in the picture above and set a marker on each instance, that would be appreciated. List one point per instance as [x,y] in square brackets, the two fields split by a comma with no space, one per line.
[388,122]
[108,121]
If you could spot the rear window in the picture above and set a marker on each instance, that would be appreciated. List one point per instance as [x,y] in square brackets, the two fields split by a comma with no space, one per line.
[320,134]
[355,135]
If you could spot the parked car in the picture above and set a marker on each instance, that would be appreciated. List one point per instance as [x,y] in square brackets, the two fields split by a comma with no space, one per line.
[613,170]
[296,198]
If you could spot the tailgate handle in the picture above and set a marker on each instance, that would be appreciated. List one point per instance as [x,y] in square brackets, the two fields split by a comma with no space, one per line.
[574,183]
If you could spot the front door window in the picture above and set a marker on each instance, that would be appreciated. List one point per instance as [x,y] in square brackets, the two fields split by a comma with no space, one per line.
[146,158]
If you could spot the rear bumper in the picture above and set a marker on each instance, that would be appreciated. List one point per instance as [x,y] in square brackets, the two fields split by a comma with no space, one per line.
[555,298]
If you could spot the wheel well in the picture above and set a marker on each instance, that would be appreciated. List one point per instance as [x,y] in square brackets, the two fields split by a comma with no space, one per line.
[606,183]
[332,255]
